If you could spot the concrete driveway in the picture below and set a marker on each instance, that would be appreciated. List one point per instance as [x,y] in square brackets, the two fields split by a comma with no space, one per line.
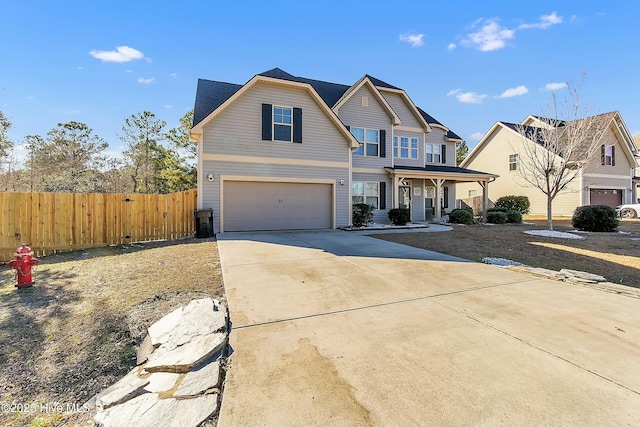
[335,328]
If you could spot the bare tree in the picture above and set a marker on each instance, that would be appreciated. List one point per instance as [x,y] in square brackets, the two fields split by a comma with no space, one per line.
[553,153]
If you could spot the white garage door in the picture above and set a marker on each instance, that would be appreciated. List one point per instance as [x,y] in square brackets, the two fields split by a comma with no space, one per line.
[276,206]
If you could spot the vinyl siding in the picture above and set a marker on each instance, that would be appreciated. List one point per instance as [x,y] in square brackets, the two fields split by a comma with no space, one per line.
[407,117]
[622,166]
[379,215]
[494,158]
[237,130]
[374,116]
[211,190]
[437,136]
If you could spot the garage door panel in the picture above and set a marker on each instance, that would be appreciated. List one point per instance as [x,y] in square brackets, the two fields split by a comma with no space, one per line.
[276,206]
[608,197]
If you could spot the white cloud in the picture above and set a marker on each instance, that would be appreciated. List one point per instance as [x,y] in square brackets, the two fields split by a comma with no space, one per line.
[30,97]
[491,36]
[544,22]
[414,39]
[451,46]
[477,136]
[467,97]
[554,86]
[173,75]
[81,68]
[470,97]
[121,54]
[146,81]
[128,71]
[169,106]
[514,91]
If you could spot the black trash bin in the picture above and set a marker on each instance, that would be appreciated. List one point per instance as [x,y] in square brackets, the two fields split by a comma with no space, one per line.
[204,223]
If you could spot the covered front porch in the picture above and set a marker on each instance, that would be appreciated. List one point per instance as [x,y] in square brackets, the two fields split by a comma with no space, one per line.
[429,192]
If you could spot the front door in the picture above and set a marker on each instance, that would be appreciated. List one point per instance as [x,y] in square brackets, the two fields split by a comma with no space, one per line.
[429,196]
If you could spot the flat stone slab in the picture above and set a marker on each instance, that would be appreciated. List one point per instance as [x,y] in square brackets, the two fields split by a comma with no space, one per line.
[149,410]
[186,356]
[582,275]
[159,332]
[543,272]
[145,349]
[199,381]
[125,389]
[200,317]
[161,381]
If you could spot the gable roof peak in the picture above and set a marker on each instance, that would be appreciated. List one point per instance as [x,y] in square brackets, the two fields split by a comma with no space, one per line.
[277,73]
[380,83]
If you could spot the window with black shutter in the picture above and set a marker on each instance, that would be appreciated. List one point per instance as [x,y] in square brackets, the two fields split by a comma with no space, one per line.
[281,123]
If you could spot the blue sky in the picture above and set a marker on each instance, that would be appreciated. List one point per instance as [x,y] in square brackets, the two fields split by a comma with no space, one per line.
[468,64]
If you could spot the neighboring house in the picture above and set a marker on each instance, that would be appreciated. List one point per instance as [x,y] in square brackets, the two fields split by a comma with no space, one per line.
[607,179]
[285,152]
[636,179]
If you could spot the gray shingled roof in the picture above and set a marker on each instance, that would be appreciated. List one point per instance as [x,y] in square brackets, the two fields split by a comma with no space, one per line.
[211,94]
[432,121]
[531,132]
[329,92]
[380,83]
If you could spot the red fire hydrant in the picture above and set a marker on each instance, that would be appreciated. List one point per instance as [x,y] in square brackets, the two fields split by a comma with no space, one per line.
[22,264]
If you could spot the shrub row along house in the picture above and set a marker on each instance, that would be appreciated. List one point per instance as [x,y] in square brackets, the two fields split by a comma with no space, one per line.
[607,178]
[285,152]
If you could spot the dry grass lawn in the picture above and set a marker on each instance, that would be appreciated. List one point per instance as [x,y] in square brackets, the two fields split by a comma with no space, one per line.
[615,256]
[75,332]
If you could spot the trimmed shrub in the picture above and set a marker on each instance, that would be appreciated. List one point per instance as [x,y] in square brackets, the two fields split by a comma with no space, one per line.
[497,209]
[514,217]
[461,216]
[514,203]
[497,217]
[399,216]
[362,214]
[595,218]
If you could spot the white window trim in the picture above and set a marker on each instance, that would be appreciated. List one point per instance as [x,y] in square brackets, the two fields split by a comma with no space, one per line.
[433,154]
[412,150]
[516,162]
[364,143]
[609,156]
[273,124]
[365,195]
[397,147]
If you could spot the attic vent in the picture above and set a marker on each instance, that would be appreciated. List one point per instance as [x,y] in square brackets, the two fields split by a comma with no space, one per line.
[365,101]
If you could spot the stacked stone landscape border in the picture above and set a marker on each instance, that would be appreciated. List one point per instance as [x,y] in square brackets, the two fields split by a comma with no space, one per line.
[177,380]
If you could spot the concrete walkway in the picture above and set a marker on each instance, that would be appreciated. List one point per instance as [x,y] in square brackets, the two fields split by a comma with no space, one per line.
[336,328]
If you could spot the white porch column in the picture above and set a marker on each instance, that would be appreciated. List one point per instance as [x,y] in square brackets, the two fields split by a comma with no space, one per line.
[438,184]
[394,191]
[485,197]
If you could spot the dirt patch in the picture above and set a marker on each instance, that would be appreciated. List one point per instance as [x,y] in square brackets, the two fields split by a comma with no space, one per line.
[612,255]
[75,332]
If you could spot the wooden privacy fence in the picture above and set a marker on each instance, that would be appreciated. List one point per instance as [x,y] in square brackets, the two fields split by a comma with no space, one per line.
[51,222]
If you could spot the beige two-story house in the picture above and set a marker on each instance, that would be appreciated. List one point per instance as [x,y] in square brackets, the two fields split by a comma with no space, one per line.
[285,152]
[607,179]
